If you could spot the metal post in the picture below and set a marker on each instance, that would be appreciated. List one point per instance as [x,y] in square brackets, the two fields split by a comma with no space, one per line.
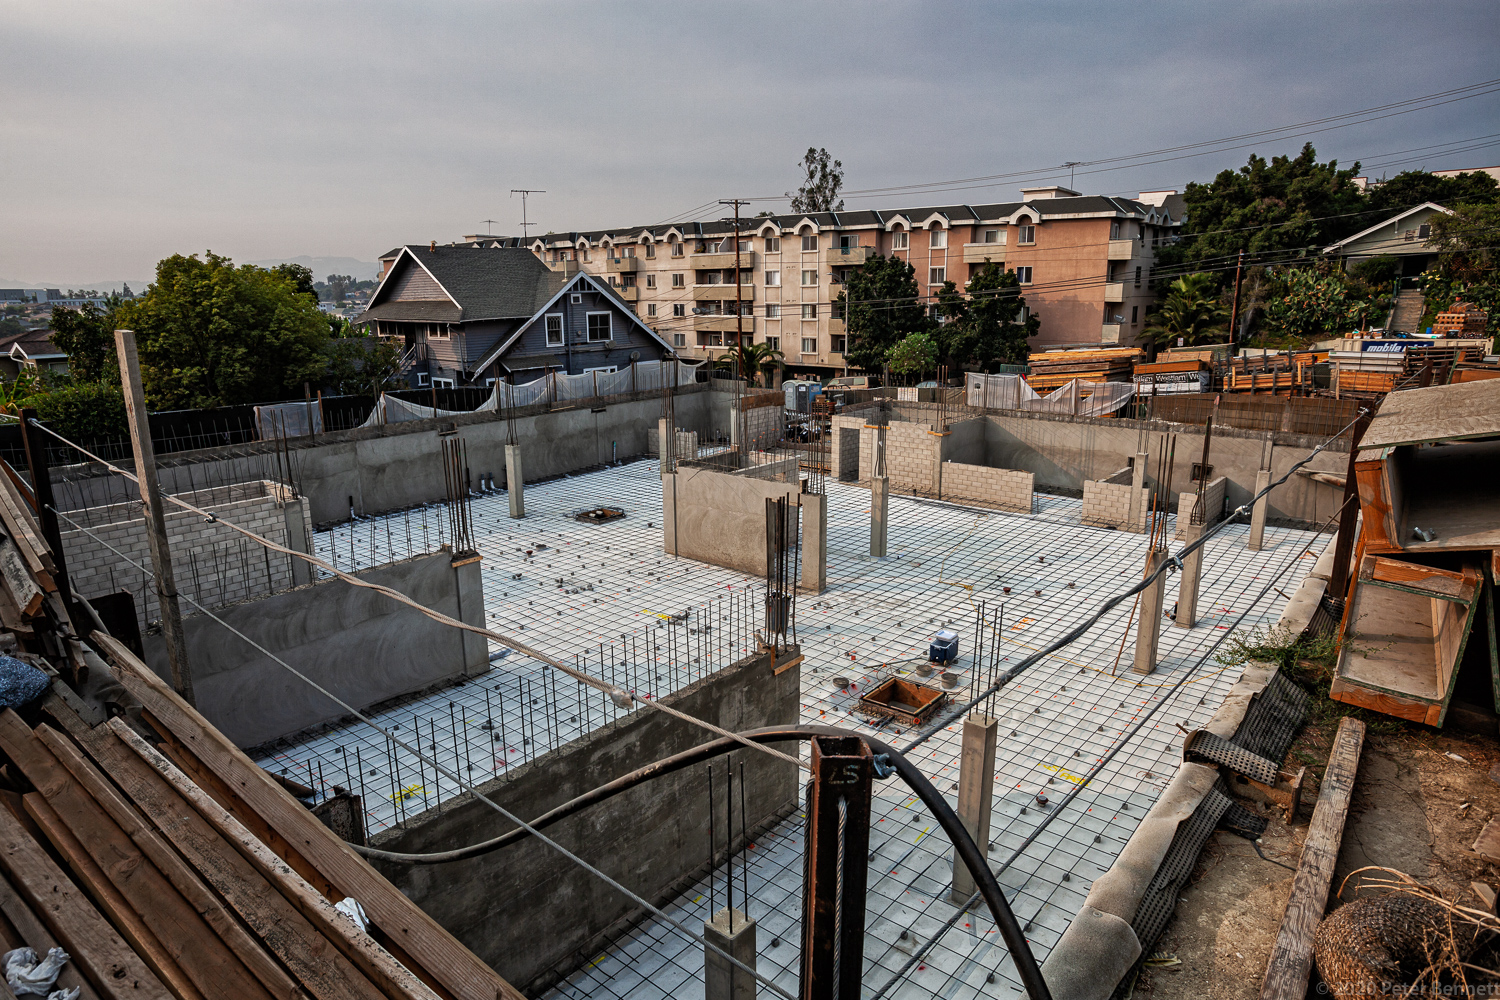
[835,868]
[46,508]
[156,528]
[1234,313]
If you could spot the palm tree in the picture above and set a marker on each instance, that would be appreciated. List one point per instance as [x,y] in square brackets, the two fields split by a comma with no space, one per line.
[1191,310]
[754,360]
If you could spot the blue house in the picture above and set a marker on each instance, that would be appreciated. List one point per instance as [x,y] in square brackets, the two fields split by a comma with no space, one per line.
[475,314]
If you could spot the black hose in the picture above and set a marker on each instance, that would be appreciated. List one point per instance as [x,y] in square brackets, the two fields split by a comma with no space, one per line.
[967,851]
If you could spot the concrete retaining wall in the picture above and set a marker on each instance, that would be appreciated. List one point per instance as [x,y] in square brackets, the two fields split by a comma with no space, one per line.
[533,914]
[1004,488]
[360,645]
[719,517]
[212,563]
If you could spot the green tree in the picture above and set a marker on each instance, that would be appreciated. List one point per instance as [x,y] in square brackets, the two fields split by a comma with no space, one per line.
[916,354]
[1465,267]
[87,336]
[1273,210]
[823,177]
[212,334]
[755,360]
[1192,311]
[358,365]
[83,412]
[1308,303]
[1412,187]
[983,327]
[882,305]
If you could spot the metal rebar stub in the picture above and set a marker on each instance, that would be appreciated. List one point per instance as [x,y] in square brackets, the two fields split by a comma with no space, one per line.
[836,847]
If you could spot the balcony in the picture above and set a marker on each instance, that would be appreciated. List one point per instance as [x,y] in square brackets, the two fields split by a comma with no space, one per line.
[568,267]
[1110,334]
[1121,249]
[1114,292]
[848,256]
[719,261]
[978,253]
[631,294]
[622,265]
[720,293]
[723,324]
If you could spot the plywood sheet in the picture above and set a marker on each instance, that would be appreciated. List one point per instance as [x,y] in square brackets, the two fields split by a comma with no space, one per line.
[1437,413]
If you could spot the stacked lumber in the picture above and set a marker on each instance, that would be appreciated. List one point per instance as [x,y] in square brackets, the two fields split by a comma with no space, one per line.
[1053,369]
[1462,319]
[1366,373]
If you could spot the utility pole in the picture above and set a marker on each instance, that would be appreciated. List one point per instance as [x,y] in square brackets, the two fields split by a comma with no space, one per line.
[739,322]
[156,527]
[523,192]
[1234,313]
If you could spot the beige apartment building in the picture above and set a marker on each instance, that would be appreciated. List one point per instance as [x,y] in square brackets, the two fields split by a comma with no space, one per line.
[1084,263]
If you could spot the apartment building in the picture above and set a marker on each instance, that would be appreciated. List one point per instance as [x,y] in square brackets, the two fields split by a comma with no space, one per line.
[1084,262]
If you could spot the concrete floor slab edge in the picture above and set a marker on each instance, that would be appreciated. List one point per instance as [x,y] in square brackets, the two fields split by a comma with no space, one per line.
[1099,947]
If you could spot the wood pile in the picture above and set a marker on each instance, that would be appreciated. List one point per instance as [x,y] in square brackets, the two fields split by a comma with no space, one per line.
[1366,374]
[1054,369]
[160,857]
[1462,319]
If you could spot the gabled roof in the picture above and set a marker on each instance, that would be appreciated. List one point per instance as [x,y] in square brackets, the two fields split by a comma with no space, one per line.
[482,280]
[30,345]
[1393,220]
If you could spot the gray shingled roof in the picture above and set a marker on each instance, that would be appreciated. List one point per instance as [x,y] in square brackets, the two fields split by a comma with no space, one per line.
[486,282]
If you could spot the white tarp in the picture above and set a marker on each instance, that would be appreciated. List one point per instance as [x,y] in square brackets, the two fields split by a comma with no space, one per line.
[553,387]
[1010,392]
[279,420]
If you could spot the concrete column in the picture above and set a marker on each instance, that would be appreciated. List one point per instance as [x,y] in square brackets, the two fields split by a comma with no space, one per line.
[666,440]
[976,781]
[669,513]
[515,480]
[814,542]
[296,538]
[733,932]
[1258,512]
[1148,629]
[1137,483]
[468,586]
[1187,586]
[880,505]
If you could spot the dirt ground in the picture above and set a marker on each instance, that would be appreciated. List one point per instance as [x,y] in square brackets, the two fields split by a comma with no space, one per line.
[1420,799]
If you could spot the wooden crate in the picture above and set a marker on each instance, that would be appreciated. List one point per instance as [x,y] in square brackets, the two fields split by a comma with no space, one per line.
[908,703]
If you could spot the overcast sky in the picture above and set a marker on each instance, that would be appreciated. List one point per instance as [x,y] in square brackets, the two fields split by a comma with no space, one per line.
[260,130]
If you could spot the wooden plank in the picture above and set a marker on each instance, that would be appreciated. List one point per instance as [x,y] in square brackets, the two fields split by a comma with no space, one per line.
[436,956]
[107,961]
[34,934]
[20,522]
[177,871]
[18,578]
[177,923]
[219,843]
[109,899]
[1292,955]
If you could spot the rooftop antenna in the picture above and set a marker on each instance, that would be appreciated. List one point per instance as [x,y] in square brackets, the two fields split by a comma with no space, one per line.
[523,192]
[489,225]
[1070,164]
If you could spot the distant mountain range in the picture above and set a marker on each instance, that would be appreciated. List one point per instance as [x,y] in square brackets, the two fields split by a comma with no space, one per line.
[321,267]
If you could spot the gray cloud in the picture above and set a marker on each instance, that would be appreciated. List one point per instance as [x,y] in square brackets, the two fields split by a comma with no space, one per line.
[266,130]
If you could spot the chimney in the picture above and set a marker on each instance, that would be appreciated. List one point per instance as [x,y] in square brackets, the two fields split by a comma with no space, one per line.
[432,248]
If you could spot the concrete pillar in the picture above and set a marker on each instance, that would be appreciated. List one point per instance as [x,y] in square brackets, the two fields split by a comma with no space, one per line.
[1148,628]
[733,932]
[468,587]
[297,538]
[1192,568]
[515,480]
[1137,483]
[1258,512]
[814,542]
[976,781]
[880,505]
[666,440]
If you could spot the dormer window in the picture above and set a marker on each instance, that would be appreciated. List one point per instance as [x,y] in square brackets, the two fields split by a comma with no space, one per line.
[939,239]
[1027,235]
[900,240]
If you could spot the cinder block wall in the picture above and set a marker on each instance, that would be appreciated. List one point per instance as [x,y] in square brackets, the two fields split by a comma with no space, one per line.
[1213,503]
[762,426]
[1106,504]
[536,916]
[843,456]
[362,646]
[1005,488]
[211,563]
[910,452]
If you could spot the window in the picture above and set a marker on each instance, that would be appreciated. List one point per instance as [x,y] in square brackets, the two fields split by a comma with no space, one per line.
[651,309]
[1023,275]
[1138,277]
[679,310]
[612,281]
[939,239]
[677,280]
[809,277]
[773,310]
[1135,314]
[679,340]
[774,343]
[809,243]
[744,246]
[1424,231]
[809,345]
[650,251]
[900,240]
[436,331]
[747,276]
[773,244]
[773,278]
[848,242]
[576,299]
[992,236]
[937,275]
[421,380]
[1027,234]
[839,342]
[442,383]
[1114,230]
[650,281]
[599,327]
[809,310]
[627,252]
[554,329]
[676,249]
[836,309]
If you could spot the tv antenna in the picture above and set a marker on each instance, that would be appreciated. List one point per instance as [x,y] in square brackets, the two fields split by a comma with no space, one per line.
[523,192]
[488,224]
[1071,164]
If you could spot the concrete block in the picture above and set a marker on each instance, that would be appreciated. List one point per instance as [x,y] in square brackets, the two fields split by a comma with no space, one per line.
[515,480]
[814,542]
[733,933]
